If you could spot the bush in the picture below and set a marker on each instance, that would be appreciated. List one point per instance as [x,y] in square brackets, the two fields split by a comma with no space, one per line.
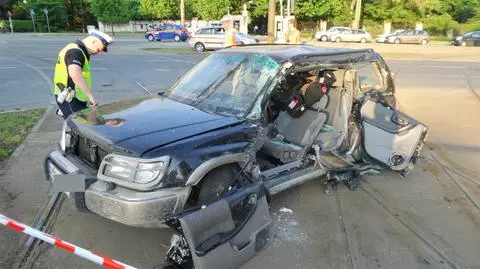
[22,26]
[373,27]
[472,25]
[439,24]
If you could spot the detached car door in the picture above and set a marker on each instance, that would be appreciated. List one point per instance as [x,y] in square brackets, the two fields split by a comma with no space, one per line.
[390,136]
[229,232]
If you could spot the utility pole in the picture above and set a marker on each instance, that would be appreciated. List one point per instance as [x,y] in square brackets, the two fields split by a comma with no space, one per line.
[182,13]
[358,12]
[271,21]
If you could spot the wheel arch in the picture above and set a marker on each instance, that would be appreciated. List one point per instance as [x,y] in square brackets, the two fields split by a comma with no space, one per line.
[201,171]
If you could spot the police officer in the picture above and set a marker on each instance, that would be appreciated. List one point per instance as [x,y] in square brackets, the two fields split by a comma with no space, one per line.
[72,70]
[292,36]
[231,37]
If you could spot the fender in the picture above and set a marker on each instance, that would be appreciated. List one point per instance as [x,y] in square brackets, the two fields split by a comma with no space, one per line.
[204,168]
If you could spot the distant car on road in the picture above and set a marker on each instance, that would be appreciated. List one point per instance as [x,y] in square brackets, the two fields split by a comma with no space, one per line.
[325,35]
[383,38]
[355,35]
[212,38]
[168,32]
[409,37]
[468,39]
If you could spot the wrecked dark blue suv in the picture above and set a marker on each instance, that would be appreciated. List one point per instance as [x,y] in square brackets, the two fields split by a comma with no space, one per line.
[277,114]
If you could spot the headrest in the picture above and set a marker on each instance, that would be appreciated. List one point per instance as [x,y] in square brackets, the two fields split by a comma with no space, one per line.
[313,93]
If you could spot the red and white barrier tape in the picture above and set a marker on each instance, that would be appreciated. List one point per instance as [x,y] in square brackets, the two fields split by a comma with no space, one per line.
[96,258]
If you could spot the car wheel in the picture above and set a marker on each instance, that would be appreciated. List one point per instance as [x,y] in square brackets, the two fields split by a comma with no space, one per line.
[397,41]
[338,40]
[151,38]
[363,40]
[324,38]
[463,44]
[424,42]
[176,38]
[216,183]
[199,47]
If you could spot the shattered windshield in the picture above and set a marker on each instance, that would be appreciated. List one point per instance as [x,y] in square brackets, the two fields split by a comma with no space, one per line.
[225,83]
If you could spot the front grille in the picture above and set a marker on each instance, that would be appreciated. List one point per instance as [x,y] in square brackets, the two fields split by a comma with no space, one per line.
[87,150]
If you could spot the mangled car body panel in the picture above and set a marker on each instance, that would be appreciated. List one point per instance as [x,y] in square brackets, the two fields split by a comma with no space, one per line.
[278,115]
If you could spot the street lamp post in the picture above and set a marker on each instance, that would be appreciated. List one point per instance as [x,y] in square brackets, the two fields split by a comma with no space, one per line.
[32,14]
[45,10]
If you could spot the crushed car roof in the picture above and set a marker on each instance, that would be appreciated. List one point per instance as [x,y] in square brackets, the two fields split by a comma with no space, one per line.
[296,53]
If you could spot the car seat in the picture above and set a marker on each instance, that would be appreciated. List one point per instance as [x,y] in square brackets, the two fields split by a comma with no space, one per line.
[296,133]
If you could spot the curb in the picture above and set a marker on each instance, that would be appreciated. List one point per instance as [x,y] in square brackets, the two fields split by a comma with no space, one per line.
[35,128]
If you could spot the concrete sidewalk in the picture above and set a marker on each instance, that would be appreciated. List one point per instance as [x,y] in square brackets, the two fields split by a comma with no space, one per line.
[23,188]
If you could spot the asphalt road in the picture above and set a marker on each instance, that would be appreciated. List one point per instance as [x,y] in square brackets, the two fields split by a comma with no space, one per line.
[27,62]
[429,220]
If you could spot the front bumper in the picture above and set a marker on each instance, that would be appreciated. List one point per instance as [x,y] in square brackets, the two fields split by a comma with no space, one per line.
[380,40]
[120,204]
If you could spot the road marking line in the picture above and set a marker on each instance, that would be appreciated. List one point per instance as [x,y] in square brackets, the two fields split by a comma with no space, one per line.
[443,66]
[40,72]
[7,67]
[163,70]
[455,76]
[143,87]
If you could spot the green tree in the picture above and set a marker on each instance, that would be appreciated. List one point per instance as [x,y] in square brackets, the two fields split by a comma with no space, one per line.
[404,12]
[211,9]
[260,8]
[336,11]
[160,9]
[114,11]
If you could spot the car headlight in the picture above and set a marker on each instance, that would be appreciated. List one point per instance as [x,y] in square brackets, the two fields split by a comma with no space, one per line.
[65,140]
[133,172]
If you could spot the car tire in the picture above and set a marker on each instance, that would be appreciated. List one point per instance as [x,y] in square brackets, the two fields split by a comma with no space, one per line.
[324,38]
[397,41]
[199,47]
[215,184]
[424,42]
[363,40]
[151,38]
[338,40]
[463,44]
[176,38]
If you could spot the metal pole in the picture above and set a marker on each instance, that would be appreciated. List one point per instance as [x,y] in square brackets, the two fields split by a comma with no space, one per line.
[83,16]
[33,21]
[48,22]
[288,8]
[271,21]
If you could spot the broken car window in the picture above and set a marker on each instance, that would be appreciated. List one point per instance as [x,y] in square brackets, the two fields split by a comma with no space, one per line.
[370,76]
[225,84]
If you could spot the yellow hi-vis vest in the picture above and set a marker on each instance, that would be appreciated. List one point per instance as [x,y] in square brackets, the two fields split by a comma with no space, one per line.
[61,72]
[229,38]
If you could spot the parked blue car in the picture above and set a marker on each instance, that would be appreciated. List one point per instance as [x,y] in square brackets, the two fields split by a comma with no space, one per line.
[168,32]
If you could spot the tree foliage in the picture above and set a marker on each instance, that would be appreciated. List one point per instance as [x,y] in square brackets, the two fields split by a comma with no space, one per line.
[160,9]
[336,11]
[114,11]
[212,9]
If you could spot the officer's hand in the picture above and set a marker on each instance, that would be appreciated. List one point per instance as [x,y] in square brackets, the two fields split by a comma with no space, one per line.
[92,101]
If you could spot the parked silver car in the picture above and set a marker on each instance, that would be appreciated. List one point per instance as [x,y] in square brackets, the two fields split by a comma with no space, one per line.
[325,35]
[383,38]
[355,35]
[409,37]
[213,38]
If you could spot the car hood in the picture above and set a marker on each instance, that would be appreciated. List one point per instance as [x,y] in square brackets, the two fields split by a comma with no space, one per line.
[137,125]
